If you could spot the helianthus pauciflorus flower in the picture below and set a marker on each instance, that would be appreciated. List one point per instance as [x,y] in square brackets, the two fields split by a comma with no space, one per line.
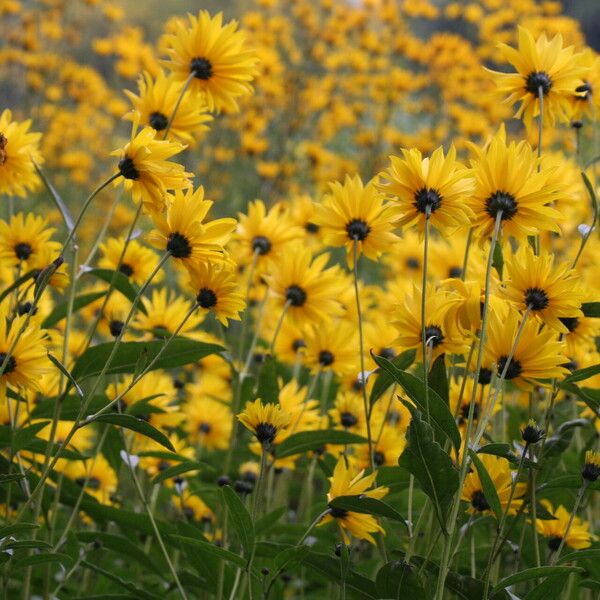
[550,291]
[145,170]
[578,536]
[217,290]
[156,103]
[345,482]
[353,213]
[265,421]
[544,67]
[436,186]
[19,147]
[511,179]
[137,261]
[215,56]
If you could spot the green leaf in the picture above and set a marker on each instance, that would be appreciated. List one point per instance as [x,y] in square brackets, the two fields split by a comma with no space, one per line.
[120,281]
[431,466]
[43,558]
[19,544]
[23,437]
[207,548]
[534,573]
[385,380]
[121,545]
[6,478]
[441,417]
[268,388]
[240,519]
[581,374]
[580,555]
[62,207]
[590,396]
[304,441]
[438,378]
[505,451]
[138,425]
[265,523]
[66,373]
[397,579]
[568,481]
[60,310]
[180,469]
[44,408]
[366,505]
[329,567]
[16,284]
[561,438]
[290,557]
[489,489]
[181,351]
[591,309]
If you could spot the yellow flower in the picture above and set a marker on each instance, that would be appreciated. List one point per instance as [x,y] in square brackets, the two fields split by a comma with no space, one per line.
[156,105]
[498,469]
[512,179]
[137,262]
[353,213]
[145,169]
[346,483]
[216,57]
[388,445]
[183,232]
[305,285]
[543,68]
[331,346]
[442,333]
[23,238]
[538,356]
[102,480]
[436,185]
[18,149]
[550,292]
[348,412]
[266,421]
[195,509]
[207,422]
[578,536]
[217,290]
[29,358]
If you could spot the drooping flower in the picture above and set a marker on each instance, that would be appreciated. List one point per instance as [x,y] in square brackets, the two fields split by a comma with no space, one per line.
[265,421]
[578,536]
[345,482]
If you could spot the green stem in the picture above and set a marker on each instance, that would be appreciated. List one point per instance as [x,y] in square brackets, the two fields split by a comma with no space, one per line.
[423,313]
[463,274]
[286,307]
[580,494]
[363,382]
[177,104]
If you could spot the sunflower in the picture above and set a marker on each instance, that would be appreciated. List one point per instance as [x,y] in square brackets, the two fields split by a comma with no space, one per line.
[22,239]
[405,258]
[348,412]
[183,232]
[155,385]
[305,286]
[290,344]
[145,169]
[156,104]
[163,313]
[345,483]
[549,292]
[578,536]
[217,290]
[19,148]
[388,445]
[498,469]
[136,264]
[302,213]
[538,355]
[29,358]
[442,333]
[586,99]
[331,346]
[215,56]
[544,68]
[101,479]
[207,422]
[266,421]
[512,179]
[436,186]
[195,509]
[263,234]
[353,213]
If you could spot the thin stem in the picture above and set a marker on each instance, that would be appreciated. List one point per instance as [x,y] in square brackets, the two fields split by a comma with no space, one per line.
[463,274]
[423,312]
[540,123]
[363,383]
[174,113]
[246,315]
[444,564]
[580,494]
[286,307]
[86,205]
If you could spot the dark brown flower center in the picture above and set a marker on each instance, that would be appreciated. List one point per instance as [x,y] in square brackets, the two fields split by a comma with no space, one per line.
[358,230]
[479,502]
[501,201]
[514,368]
[158,121]
[127,168]
[126,269]
[178,245]
[326,358]
[536,80]
[536,298]
[201,68]
[295,295]
[11,363]
[433,335]
[427,200]
[206,298]
[262,244]
[23,250]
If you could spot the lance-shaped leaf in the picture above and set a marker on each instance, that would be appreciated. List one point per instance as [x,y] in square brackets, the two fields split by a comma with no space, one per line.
[489,490]
[430,465]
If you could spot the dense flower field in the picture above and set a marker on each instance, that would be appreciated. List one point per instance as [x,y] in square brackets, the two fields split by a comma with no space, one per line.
[300,302]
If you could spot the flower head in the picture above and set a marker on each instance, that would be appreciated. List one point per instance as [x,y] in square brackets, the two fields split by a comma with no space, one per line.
[578,536]
[266,421]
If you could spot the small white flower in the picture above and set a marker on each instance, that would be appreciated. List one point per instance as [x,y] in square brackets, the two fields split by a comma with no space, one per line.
[130,459]
[363,376]
[584,229]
